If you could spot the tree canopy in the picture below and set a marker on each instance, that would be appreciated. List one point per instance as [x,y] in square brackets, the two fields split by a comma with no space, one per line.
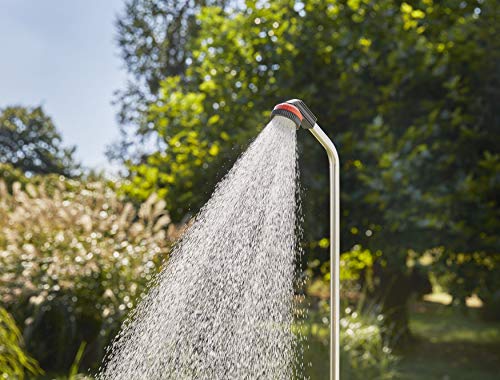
[152,36]
[407,91]
[30,142]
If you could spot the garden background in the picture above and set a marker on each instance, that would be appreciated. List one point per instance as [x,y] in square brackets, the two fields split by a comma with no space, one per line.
[409,92]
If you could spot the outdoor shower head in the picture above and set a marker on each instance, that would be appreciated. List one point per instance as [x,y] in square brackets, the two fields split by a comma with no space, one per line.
[297,111]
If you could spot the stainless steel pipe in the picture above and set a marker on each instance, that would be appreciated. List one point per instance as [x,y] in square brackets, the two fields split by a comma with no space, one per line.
[334,163]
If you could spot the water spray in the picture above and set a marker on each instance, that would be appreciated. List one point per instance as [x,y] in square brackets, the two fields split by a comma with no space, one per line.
[297,111]
[222,307]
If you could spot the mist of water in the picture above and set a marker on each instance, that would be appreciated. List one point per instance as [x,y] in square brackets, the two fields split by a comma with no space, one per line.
[222,307]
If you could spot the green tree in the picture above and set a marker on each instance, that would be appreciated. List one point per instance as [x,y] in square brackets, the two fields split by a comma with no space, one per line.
[431,169]
[152,36]
[30,142]
[408,93]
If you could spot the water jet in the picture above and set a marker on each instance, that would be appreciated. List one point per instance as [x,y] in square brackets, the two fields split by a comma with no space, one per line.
[222,306]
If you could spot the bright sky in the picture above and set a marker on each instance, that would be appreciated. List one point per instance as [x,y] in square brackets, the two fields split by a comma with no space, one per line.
[62,54]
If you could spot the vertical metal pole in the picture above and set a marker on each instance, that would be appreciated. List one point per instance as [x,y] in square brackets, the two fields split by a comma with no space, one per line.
[334,162]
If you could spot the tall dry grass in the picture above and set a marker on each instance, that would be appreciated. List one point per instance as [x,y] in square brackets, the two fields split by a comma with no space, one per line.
[73,259]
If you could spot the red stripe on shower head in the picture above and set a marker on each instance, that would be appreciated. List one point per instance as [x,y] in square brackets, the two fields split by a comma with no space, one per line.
[290,108]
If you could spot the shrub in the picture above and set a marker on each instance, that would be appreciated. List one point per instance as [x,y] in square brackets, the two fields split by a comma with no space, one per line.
[9,175]
[364,352]
[73,259]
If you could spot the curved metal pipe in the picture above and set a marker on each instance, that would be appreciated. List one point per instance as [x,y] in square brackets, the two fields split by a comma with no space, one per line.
[334,164]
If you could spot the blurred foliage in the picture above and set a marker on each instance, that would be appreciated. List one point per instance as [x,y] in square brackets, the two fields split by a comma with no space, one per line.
[9,175]
[73,371]
[30,142]
[73,260]
[14,362]
[365,352]
[152,36]
[407,91]
[464,274]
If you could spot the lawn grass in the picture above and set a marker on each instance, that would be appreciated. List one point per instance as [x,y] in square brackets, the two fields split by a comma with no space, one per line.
[451,345]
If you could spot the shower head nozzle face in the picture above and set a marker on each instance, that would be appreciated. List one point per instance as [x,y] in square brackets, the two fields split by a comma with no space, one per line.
[297,111]
[289,111]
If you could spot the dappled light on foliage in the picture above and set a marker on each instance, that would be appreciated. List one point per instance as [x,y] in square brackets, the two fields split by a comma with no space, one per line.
[74,255]
[366,351]
[30,142]
[408,91]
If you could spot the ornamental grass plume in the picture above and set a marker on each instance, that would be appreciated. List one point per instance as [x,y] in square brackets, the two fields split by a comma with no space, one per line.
[74,257]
